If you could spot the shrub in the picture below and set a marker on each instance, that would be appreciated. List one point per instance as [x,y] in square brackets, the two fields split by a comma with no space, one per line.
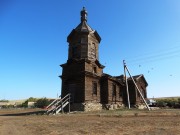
[31,99]
[41,103]
[25,104]
[7,106]
[168,102]
[178,100]
[4,100]
[161,103]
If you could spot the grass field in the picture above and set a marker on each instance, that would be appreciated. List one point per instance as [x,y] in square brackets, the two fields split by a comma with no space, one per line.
[119,122]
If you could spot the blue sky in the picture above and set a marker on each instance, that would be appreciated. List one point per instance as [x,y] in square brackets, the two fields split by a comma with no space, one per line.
[33,34]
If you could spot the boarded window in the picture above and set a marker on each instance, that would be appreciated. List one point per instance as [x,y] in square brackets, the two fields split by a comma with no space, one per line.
[94,88]
[143,92]
[84,40]
[94,49]
[75,52]
[113,90]
[94,70]
[145,96]
[120,93]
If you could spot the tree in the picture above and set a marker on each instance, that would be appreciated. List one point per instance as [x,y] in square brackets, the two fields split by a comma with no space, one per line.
[25,104]
[31,99]
[179,100]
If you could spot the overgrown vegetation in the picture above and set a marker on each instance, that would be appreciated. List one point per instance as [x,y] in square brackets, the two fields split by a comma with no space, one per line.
[38,103]
[25,104]
[41,103]
[4,100]
[168,102]
[7,106]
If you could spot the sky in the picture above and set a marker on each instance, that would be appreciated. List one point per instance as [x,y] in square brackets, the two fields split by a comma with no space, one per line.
[33,43]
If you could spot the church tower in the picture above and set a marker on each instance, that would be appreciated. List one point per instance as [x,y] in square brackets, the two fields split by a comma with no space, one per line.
[82,72]
[83,41]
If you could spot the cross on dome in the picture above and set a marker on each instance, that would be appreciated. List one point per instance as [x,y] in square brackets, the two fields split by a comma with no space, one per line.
[83,15]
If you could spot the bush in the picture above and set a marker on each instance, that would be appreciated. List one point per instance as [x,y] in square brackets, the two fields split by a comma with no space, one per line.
[168,102]
[7,106]
[25,104]
[31,99]
[161,103]
[41,103]
[178,100]
[4,100]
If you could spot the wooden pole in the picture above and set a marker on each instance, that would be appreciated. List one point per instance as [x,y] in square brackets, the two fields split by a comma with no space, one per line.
[127,89]
[138,89]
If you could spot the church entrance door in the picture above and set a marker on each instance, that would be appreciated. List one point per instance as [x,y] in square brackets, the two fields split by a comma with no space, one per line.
[72,91]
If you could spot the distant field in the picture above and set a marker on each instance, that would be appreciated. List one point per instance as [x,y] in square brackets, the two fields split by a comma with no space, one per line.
[166,97]
[13,102]
[119,122]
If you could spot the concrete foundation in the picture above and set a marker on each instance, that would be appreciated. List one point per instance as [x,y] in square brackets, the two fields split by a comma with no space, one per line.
[86,107]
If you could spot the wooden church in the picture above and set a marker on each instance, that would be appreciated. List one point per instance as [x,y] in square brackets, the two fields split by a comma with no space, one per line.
[83,77]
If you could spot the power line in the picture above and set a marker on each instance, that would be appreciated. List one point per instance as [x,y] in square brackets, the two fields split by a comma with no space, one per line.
[161,54]
[173,49]
[154,57]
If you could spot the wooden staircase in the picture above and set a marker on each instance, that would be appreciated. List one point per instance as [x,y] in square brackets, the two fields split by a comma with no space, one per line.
[58,105]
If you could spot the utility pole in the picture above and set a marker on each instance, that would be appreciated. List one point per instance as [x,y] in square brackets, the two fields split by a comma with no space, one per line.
[125,67]
[127,89]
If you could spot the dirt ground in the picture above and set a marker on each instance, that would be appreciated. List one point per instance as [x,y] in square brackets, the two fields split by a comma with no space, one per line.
[104,123]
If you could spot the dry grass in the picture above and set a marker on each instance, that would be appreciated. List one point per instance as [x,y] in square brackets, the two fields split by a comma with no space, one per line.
[120,122]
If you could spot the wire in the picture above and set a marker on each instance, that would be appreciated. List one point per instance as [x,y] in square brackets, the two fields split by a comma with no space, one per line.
[158,52]
[154,57]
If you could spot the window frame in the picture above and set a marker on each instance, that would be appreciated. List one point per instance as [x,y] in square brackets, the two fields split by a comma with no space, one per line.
[94,88]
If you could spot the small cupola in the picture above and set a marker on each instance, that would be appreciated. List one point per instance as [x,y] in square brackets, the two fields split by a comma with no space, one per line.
[83,40]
